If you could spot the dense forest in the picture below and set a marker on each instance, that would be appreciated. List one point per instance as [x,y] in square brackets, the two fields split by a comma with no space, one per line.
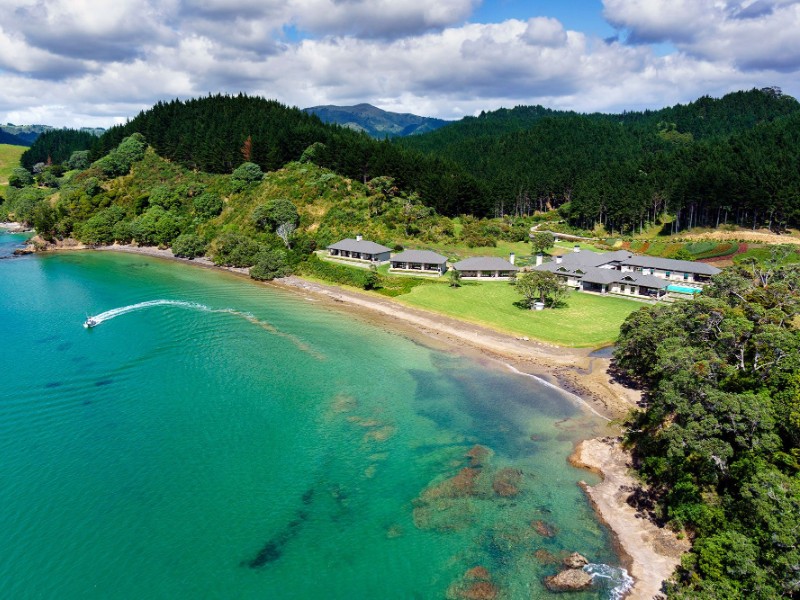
[216,134]
[719,439]
[55,147]
[711,162]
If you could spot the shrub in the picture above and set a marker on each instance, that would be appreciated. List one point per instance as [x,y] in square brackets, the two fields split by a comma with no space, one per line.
[164,197]
[78,160]
[269,265]
[274,213]
[235,250]
[20,177]
[207,205]
[248,173]
[99,228]
[188,245]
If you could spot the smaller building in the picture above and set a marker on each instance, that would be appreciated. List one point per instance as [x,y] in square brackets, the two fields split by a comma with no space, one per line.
[420,261]
[359,249]
[486,267]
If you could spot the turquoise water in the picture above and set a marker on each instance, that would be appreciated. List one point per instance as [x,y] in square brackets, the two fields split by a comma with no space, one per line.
[228,440]
[683,289]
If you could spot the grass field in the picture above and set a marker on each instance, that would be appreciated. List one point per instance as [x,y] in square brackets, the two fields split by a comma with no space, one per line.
[9,158]
[587,320]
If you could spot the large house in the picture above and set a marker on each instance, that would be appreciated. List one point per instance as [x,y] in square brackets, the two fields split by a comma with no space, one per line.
[359,249]
[622,272]
[420,261]
[486,267]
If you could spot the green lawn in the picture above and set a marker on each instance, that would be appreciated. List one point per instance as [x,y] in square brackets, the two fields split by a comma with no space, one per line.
[9,158]
[587,320]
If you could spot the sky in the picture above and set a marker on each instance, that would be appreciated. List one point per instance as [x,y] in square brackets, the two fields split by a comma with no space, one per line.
[97,62]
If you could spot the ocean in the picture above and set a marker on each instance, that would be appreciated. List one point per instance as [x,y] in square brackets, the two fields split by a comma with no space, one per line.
[213,437]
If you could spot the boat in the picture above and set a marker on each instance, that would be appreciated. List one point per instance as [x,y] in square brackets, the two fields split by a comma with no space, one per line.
[90,322]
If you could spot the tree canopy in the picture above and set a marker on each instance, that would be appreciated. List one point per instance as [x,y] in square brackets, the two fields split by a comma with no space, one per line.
[719,439]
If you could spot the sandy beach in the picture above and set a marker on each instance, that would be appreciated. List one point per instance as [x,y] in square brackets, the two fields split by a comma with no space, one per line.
[650,553]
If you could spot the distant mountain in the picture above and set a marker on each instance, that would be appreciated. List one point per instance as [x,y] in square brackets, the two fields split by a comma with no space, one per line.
[27,134]
[376,122]
[13,140]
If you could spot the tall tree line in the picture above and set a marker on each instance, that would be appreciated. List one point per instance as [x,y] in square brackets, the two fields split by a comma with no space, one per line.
[218,133]
[713,161]
[56,146]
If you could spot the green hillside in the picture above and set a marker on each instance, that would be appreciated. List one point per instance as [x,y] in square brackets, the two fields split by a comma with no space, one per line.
[216,134]
[9,158]
[730,160]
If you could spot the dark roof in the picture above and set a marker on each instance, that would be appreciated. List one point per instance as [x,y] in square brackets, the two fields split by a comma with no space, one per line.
[650,281]
[603,276]
[671,264]
[485,263]
[587,258]
[419,256]
[367,247]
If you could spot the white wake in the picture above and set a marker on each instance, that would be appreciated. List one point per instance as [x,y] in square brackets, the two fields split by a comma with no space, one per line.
[118,312]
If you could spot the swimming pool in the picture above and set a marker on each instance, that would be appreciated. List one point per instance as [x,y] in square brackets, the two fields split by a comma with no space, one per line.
[682,289]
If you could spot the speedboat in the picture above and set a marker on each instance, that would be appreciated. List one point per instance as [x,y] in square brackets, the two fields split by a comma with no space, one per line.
[90,322]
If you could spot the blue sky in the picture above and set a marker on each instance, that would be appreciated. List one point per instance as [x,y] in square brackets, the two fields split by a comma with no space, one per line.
[63,62]
[581,15]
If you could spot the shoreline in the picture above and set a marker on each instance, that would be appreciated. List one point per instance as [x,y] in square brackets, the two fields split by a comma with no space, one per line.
[640,543]
[650,553]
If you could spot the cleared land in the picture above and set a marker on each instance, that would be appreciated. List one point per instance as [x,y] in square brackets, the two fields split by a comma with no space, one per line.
[587,320]
[9,158]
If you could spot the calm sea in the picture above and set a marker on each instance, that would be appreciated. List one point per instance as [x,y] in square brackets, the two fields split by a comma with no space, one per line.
[215,438]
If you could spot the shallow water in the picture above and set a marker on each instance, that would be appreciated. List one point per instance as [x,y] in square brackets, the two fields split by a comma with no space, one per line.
[215,438]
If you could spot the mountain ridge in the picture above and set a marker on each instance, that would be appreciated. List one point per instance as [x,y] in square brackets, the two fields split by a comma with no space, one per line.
[374,121]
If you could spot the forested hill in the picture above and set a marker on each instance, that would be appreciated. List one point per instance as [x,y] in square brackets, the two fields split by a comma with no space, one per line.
[218,133]
[708,162]
[376,122]
[55,146]
[8,138]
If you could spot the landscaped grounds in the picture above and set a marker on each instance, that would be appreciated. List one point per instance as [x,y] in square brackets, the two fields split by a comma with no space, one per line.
[586,320]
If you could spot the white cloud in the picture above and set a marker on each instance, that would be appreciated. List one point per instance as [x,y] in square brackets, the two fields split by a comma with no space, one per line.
[378,18]
[759,34]
[82,67]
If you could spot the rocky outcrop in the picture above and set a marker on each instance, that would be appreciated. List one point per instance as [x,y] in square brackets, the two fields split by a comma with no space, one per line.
[476,584]
[569,580]
[506,482]
[478,455]
[575,561]
[544,529]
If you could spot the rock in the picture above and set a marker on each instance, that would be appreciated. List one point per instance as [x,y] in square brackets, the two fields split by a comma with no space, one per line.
[545,557]
[460,485]
[569,580]
[478,455]
[344,403]
[481,590]
[379,435]
[544,529]
[394,531]
[575,561]
[475,585]
[506,482]
[478,573]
